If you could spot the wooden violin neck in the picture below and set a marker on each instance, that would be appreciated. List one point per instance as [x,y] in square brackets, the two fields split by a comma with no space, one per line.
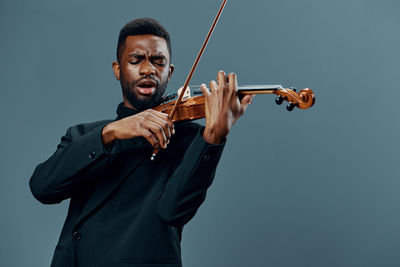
[246,89]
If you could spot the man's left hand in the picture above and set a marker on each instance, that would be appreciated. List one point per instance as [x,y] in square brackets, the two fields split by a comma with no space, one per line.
[222,107]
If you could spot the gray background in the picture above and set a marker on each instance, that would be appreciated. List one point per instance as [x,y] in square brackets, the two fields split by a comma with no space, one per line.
[307,188]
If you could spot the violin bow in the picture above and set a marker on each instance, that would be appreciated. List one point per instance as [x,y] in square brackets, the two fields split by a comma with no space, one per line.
[196,62]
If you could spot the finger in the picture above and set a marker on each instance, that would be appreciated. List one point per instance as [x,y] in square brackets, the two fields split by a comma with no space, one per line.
[206,92]
[213,86]
[232,83]
[221,78]
[207,95]
[149,136]
[164,124]
[164,120]
[158,132]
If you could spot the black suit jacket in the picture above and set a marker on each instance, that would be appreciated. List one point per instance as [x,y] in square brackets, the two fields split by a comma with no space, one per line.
[95,178]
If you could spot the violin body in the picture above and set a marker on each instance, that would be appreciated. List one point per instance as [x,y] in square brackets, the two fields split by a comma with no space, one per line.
[192,108]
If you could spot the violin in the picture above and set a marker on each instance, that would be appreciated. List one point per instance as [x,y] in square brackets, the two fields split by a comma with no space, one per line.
[192,108]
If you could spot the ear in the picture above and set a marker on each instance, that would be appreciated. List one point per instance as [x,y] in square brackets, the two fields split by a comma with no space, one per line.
[171,70]
[116,70]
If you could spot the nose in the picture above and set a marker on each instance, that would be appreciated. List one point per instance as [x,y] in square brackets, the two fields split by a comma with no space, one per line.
[147,68]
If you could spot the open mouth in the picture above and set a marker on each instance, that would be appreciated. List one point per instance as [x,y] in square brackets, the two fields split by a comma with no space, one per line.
[146,86]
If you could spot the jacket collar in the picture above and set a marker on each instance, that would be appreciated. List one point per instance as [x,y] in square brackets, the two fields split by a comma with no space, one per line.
[123,111]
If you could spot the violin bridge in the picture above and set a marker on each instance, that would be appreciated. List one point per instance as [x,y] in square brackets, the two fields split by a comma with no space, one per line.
[187,93]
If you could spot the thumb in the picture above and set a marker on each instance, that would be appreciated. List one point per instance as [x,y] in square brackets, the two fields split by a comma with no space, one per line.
[246,100]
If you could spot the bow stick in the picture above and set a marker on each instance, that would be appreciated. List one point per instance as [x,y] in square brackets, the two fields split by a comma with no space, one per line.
[189,77]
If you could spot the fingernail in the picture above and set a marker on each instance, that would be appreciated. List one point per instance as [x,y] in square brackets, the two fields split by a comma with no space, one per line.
[173,130]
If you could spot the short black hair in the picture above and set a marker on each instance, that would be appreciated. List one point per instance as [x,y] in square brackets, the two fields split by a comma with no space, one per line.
[139,27]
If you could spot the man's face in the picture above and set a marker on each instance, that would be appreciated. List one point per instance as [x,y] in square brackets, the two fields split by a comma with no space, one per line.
[144,71]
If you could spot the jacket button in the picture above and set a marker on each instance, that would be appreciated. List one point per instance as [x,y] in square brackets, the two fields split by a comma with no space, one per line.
[76,235]
[206,158]
[92,155]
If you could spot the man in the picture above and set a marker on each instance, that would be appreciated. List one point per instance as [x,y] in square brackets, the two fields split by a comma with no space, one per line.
[126,210]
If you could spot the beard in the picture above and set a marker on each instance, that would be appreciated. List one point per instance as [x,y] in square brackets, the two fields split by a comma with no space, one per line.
[142,103]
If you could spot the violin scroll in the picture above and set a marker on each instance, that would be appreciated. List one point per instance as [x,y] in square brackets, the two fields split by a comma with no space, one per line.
[303,100]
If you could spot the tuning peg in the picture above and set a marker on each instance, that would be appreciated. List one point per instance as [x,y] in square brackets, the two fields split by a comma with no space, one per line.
[279,100]
[294,89]
[291,106]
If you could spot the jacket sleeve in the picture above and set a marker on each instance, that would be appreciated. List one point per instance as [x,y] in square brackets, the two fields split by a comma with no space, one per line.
[62,174]
[186,189]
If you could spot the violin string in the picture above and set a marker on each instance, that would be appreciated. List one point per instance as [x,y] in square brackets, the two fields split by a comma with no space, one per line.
[197,90]
[250,87]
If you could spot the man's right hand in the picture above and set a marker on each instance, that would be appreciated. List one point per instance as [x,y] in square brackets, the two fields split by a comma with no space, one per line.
[155,126]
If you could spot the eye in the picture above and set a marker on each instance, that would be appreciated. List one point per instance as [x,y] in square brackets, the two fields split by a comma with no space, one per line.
[135,59]
[161,64]
[159,61]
